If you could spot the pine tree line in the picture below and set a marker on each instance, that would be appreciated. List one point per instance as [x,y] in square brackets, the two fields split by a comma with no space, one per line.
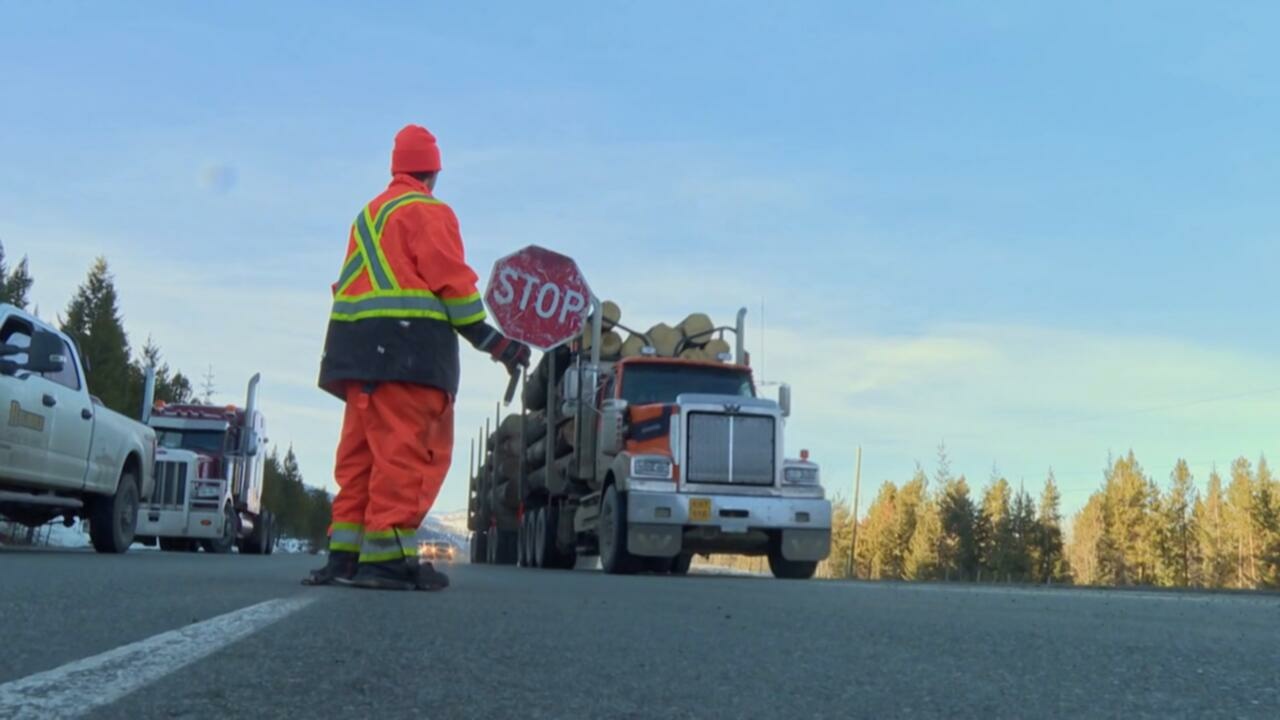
[934,529]
[1130,532]
[301,511]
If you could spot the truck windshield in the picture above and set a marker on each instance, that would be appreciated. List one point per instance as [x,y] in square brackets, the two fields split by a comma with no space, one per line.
[649,384]
[207,441]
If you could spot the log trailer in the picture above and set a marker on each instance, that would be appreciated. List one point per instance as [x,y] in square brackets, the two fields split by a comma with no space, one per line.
[646,453]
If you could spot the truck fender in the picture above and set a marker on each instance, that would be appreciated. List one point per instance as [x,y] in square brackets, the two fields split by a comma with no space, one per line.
[620,471]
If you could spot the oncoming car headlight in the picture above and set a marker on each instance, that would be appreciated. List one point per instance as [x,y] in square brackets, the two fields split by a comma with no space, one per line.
[800,475]
[651,466]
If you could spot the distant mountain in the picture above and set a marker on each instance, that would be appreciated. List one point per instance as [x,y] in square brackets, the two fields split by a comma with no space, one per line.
[451,526]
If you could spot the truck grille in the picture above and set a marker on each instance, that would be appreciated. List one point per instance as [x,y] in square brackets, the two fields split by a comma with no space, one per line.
[731,449]
[171,484]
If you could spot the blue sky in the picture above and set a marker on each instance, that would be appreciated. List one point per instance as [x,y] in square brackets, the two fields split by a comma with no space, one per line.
[1038,236]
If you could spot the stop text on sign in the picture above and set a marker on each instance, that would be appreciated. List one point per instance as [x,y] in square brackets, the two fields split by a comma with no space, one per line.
[538,296]
[547,299]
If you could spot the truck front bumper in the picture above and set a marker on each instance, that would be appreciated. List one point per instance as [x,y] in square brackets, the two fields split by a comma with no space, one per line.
[660,524]
[197,524]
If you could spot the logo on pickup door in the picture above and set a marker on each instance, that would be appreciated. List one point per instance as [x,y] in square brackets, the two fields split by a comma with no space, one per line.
[20,418]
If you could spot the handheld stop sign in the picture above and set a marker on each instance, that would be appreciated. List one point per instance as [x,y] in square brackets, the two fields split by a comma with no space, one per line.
[539,297]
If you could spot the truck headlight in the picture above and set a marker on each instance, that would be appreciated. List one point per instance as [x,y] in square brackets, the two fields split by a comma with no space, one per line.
[651,466]
[208,491]
[800,475]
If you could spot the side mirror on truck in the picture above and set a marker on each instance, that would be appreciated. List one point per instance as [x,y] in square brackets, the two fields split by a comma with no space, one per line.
[784,399]
[46,353]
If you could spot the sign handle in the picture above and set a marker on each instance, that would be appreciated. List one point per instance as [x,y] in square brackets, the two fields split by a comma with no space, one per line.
[511,389]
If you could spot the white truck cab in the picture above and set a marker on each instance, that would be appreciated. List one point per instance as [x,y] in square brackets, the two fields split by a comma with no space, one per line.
[209,479]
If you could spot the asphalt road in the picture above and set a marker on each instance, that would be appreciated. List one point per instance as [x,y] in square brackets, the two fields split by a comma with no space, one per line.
[507,642]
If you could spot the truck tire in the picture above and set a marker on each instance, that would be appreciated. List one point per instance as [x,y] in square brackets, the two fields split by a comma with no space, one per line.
[612,530]
[525,536]
[223,545]
[542,550]
[268,532]
[551,556]
[680,564]
[259,541]
[479,548]
[784,569]
[506,546]
[113,519]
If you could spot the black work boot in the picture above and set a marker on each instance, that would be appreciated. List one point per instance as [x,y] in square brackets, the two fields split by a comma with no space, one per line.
[389,575]
[404,574]
[431,579]
[341,566]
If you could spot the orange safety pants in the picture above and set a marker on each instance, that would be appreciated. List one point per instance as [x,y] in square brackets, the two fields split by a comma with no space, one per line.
[396,447]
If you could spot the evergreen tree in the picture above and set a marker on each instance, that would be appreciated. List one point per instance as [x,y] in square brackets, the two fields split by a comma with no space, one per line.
[1129,554]
[172,387]
[911,500]
[996,534]
[841,538]
[1023,532]
[1238,513]
[1217,560]
[1176,538]
[93,321]
[1089,542]
[959,556]
[1050,558]
[1266,525]
[922,561]
[878,557]
[15,285]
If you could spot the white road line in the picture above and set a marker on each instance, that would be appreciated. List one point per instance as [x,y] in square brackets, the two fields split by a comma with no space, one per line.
[78,687]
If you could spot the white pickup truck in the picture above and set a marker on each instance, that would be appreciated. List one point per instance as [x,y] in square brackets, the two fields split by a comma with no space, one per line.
[61,452]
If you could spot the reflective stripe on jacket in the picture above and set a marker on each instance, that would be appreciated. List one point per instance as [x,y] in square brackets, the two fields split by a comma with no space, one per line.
[403,289]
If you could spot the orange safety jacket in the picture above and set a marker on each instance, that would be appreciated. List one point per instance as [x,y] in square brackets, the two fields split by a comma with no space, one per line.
[404,292]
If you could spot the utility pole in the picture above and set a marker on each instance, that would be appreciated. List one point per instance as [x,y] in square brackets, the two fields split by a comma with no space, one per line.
[857,494]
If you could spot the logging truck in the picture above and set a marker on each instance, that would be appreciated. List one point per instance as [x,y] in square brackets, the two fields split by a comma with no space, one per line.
[646,453]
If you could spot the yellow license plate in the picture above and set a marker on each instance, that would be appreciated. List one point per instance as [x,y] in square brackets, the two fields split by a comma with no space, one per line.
[699,509]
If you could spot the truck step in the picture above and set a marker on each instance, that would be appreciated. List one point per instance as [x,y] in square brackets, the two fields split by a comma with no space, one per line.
[46,500]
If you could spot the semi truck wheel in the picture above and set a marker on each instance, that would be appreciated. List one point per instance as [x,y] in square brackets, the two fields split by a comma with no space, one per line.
[540,555]
[680,564]
[223,545]
[508,544]
[614,558]
[113,519]
[479,548]
[269,533]
[526,540]
[785,569]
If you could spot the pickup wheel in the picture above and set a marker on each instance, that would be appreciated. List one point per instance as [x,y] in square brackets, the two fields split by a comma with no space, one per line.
[785,569]
[223,545]
[113,519]
[614,558]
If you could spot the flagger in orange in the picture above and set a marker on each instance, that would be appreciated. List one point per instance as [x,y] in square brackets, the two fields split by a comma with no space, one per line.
[404,295]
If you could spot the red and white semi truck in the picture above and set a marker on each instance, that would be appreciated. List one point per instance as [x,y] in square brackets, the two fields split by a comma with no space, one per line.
[209,479]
